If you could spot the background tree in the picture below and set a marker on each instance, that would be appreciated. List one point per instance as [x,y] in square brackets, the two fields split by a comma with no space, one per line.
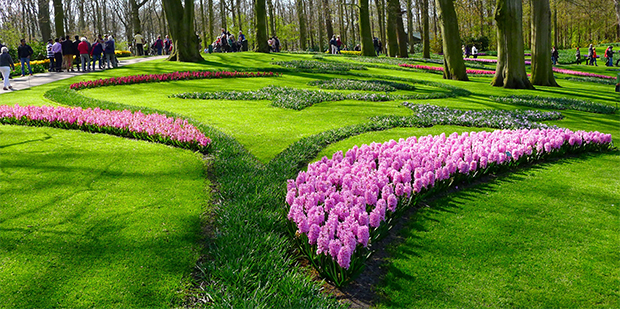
[44,19]
[393,13]
[328,19]
[617,5]
[302,25]
[401,34]
[180,16]
[135,15]
[542,69]
[368,48]
[426,42]
[59,18]
[261,26]
[510,71]
[454,66]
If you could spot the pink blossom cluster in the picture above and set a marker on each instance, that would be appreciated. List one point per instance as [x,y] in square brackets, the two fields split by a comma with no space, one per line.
[153,78]
[440,69]
[339,203]
[527,62]
[152,126]
[571,72]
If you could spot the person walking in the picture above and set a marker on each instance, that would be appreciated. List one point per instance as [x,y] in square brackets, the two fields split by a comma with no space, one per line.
[139,43]
[57,50]
[609,53]
[338,44]
[110,59]
[593,61]
[24,52]
[95,52]
[83,49]
[578,56]
[589,58]
[67,54]
[6,65]
[50,54]
[159,45]
[474,51]
[332,45]
[375,43]
[554,55]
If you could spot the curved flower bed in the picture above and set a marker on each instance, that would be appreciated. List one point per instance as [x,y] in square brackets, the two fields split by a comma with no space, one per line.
[155,78]
[556,103]
[527,62]
[356,84]
[152,127]
[440,69]
[320,66]
[341,206]
[571,72]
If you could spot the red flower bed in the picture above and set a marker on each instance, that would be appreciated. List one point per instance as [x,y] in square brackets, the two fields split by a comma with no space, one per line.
[154,78]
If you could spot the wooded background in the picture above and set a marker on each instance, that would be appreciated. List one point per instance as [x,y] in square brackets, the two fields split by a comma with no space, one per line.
[574,22]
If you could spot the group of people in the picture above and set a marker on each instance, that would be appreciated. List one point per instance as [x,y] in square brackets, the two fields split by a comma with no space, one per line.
[467,52]
[335,44]
[274,44]
[227,43]
[61,52]
[592,56]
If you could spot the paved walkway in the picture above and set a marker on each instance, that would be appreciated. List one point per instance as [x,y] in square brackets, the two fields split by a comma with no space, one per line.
[20,83]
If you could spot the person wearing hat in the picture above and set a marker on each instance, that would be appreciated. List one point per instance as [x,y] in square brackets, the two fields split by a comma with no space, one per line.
[50,54]
[6,65]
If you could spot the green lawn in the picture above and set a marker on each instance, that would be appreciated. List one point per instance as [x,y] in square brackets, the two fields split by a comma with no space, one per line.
[91,220]
[545,236]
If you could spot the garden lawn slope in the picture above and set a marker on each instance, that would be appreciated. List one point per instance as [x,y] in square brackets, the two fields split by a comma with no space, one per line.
[92,220]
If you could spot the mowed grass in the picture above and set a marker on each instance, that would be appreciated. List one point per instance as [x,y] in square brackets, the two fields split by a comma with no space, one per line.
[471,229]
[91,220]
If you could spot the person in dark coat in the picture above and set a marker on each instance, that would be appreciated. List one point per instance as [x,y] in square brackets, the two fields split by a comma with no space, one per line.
[24,52]
[67,54]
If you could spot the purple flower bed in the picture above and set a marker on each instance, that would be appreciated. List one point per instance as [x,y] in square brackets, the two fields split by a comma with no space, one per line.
[154,78]
[440,69]
[571,72]
[152,127]
[339,207]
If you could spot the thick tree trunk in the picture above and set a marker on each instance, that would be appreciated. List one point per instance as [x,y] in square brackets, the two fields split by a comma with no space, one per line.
[328,19]
[181,25]
[211,26]
[402,36]
[542,70]
[59,18]
[453,63]
[381,16]
[510,71]
[426,42]
[135,15]
[410,25]
[617,5]
[367,46]
[302,24]
[272,18]
[239,16]
[44,19]
[393,8]
[223,14]
[555,24]
[203,26]
[260,11]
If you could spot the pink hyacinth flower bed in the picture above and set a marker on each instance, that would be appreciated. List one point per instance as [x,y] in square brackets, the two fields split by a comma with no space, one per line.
[571,72]
[152,127]
[527,62]
[154,78]
[341,205]
[440,69]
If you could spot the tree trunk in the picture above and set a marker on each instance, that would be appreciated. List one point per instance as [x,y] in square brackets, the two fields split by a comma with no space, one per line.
[135,15]
[367,47]
[223,14]
[211,26]
[59,18]
[181,25]
[203,26]
[393,8]
[260,11]
[453,64]
[510,71]
[542,70]
[302,24]
[426,42]
[402,35]
[617,5]
[328,19]
[272,18]
[555,24]
[381,16]
[410,26]
[44,20]
[239,15]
